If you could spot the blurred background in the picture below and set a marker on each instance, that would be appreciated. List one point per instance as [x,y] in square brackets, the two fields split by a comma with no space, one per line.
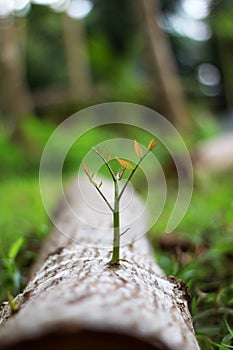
[58,56]
[174,56]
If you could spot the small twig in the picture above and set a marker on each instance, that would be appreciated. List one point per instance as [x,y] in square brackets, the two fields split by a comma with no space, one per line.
[125,231]
[104,198]
[106,163]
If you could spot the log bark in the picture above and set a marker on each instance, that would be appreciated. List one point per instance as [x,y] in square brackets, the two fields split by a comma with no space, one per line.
[74,300]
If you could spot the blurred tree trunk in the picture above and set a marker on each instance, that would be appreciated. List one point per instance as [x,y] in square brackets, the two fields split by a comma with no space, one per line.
[16,101]
[76,300]
[162,63]
[77,59]
[225,49]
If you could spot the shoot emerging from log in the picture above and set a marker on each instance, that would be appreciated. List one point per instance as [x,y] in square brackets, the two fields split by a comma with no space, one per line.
[116,177]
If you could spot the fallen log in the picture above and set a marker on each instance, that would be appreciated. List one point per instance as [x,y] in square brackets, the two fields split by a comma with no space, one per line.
[75,300]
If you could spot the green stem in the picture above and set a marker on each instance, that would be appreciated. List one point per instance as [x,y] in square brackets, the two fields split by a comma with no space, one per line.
[104,198]
[116,226]
[106,163]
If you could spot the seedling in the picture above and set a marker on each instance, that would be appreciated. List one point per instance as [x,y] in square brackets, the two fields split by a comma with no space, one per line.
[14,306]
[116,177]
[9,261]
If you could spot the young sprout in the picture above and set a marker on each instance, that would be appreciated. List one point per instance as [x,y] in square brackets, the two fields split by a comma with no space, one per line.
[117,192]
[14,306]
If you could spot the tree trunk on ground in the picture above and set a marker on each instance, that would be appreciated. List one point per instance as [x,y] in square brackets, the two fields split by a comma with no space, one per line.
[162,63]
[77,59]
[16,101]
[75,300]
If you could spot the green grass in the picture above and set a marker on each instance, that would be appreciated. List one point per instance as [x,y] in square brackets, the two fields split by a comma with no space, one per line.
[22,216]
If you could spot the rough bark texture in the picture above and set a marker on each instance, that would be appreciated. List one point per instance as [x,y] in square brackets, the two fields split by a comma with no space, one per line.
[76,301]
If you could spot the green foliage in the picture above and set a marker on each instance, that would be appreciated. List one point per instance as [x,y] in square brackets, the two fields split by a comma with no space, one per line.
[223,25]
[45,53]
[14,249]
[10,264]
[23,223]
[221,19]
[83,145]
[12,157]
[208,129]
[227,340]
[116,76]
[23,158]
[113,19]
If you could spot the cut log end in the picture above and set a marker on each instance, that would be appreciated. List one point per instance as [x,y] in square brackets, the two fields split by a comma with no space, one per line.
[86,340]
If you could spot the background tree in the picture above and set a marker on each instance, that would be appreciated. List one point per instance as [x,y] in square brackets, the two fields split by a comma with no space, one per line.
[161,59]
[16,100]
[77,59]
[222,25]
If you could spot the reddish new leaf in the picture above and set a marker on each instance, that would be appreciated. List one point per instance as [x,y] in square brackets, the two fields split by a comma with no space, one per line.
[151,144]
[124,163]
[86,169]
[137,148]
